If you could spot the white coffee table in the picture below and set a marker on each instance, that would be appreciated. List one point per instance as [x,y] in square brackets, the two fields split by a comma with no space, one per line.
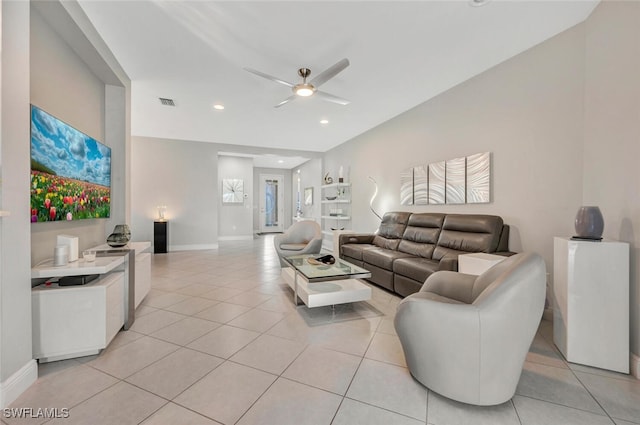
[321,285]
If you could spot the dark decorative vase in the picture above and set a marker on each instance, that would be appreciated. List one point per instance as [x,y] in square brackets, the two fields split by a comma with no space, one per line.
[589,223]
[120,237]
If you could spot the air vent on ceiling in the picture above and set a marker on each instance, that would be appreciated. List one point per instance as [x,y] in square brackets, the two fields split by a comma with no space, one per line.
[167,102]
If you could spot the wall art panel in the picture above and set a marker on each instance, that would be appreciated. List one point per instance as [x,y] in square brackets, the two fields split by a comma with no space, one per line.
[479,178]
[420,185]
[436,182]
[455,181]
[406,187]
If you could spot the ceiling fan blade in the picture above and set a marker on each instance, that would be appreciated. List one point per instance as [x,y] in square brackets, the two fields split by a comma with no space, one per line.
[268,77]
[330,72]
[331,98]
[287,100]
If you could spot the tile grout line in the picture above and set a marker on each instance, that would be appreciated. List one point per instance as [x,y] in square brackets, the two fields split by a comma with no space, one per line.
[592,396]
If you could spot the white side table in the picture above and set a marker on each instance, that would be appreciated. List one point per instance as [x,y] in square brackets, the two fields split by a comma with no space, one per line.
[591,302]
[478,262]
[336,241]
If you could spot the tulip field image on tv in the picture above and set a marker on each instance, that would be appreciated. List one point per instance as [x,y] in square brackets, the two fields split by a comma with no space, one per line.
[70,172]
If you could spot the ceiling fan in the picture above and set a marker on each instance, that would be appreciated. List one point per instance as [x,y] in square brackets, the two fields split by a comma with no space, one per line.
[306,89]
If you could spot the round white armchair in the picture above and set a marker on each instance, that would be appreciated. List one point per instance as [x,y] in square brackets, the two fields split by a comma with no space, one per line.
[466,337]
[303,237]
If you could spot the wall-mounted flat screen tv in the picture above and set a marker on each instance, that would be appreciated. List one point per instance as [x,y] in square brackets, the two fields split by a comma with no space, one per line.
[70,172]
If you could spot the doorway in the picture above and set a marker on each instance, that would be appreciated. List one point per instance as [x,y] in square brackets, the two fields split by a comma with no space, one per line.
[271,203]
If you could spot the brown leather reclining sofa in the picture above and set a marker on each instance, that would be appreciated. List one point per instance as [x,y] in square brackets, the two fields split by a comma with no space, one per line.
[409,247]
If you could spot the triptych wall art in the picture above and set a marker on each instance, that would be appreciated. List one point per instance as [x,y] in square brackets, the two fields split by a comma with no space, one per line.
[455,181]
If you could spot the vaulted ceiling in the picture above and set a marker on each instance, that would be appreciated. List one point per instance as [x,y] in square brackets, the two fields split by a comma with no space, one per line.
[401,54]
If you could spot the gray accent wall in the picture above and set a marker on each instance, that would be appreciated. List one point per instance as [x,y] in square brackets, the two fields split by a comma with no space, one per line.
[562,123]
[526,111]
[612,132]
[186,176]
[182,176]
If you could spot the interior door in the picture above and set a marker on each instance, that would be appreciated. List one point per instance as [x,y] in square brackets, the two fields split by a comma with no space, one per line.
[271,203]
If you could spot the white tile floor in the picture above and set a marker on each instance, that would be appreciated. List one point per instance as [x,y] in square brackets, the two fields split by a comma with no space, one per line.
[219,340]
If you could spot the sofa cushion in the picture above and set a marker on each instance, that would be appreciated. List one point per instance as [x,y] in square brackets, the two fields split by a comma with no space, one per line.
[405,286]
[380,276]
[416,268]
[393,225]
[421,235]
[384,243]
[354,250]
[468,233]
[382,258]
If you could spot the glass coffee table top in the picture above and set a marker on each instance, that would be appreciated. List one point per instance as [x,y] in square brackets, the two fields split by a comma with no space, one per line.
[325,284]
[326,272]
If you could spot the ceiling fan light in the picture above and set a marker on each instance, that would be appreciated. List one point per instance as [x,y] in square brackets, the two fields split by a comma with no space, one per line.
[478,3]
[304,90]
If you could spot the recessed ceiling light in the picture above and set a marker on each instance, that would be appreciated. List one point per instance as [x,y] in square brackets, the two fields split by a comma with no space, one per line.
[478,3]
[218,106]
[324,122]
[280,161]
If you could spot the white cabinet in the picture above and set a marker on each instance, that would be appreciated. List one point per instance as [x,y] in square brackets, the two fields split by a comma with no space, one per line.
[74,321]
[591,302]
[143,276]
[336,212]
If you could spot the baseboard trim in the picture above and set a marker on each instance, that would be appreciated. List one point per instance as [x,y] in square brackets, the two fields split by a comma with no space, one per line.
[634,365]
[201,247]
[236,238]
[18,383]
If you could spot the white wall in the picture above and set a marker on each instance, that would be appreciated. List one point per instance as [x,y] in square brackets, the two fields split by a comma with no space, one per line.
[612,132]
[15,266]
[63,85]
[310,176]
[185,176]
[49,73]
[182,176]
[526,111]
[236,220]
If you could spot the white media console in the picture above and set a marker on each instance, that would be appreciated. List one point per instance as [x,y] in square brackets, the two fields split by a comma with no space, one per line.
[75,321]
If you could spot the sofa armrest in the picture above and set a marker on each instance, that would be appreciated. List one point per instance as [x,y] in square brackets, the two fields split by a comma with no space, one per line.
[448,262]
[346,238]
[453,285]
[504,253]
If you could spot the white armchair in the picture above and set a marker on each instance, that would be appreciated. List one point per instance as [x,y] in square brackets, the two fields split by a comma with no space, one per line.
[466,337]
[303,237]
